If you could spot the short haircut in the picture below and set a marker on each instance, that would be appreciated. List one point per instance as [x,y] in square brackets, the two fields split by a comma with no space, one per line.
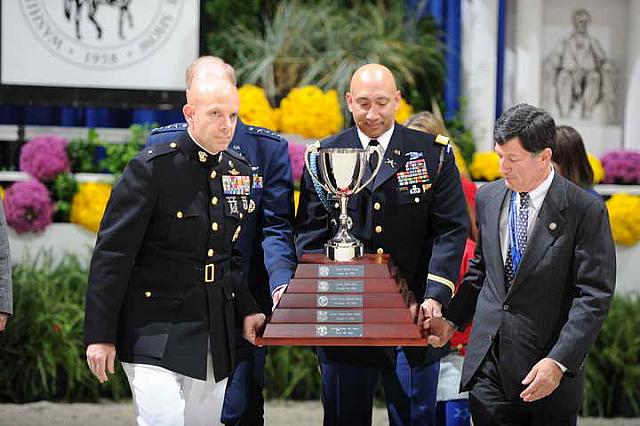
[533,126]
[191,69]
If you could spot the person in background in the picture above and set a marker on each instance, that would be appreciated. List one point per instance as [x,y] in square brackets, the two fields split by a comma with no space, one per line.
[266,240]
[452,406]
[6,296]
[570,158]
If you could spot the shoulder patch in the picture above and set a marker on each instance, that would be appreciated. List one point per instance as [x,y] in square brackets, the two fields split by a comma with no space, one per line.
[160,149]
[442,139]
[175,127]
[261,131]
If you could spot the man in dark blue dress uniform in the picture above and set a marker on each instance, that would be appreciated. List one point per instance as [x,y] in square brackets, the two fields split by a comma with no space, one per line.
[414,211]
[266,240]
[166,287]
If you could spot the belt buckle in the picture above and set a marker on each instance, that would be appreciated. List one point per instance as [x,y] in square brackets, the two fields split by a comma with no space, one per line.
[209,272]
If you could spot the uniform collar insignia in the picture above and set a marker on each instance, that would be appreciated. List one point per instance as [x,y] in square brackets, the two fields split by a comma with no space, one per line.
[202,156]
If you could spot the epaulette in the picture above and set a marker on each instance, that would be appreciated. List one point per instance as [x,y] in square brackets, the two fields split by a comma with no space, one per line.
[237,155]
[442,139]
[261,131]
[160,149]
[175,127]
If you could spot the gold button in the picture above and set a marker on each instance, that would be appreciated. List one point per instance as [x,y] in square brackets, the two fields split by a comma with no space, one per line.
[210,252]
[214,226]
[179,214]
[380,250]
[241,215]
[378,229]
[336,205]
[214,200]
[147,294]
[377,206]
[213,174]
[417,200]
[173,145]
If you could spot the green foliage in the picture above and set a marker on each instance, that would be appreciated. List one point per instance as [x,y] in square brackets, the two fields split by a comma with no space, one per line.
[82,153]
[42,350]
[118,155]
[322,43]
[292,373]
[613,366]
[63,188]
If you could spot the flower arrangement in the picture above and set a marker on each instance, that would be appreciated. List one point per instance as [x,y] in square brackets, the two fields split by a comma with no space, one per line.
[28,206]
[310,112]
[89,203]
[596,166]
[621,167]
[485,166]
[45,157]
[255,108]
[624,214]
[404,111]
[296,153]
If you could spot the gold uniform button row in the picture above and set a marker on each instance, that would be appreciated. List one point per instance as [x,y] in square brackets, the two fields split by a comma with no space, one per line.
[378,229]
[380,251]
[147,294]
[173,145]
[214,201]
[214,226]
[179,214]
[377,206]
[210,253]
[213,174]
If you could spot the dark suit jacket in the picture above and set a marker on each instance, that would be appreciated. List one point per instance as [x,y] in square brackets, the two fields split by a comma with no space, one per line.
[560,296]
[152,291]
[266,240]
[423,229]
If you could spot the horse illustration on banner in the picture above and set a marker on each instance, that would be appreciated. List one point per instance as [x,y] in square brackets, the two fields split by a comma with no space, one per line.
[72,7]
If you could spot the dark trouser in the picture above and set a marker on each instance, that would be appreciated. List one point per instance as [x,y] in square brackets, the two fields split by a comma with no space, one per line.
[243,401]
[490,406]
[347,392]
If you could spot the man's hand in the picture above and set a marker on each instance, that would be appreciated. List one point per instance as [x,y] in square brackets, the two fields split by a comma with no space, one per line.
[439,331]
[3,321]
[252,325]
[101,357]
[430,308]
[543,379]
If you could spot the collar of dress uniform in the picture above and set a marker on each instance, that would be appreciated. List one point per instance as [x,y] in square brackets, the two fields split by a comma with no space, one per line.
[383,139]
[198,153]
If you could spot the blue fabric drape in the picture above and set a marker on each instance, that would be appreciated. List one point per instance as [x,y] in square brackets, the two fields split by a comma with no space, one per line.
[448,16]
[86,117]
[502,10]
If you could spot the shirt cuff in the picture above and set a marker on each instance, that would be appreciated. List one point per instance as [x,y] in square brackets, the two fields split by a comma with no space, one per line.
[562,367]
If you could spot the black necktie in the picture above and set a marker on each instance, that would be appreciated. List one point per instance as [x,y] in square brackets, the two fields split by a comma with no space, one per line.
[373,158]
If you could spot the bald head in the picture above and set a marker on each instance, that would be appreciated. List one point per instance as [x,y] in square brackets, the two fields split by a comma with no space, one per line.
[373,99]
[212,112]
[211,66]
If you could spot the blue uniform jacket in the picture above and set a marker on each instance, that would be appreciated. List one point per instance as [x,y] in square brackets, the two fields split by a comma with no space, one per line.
[266,240]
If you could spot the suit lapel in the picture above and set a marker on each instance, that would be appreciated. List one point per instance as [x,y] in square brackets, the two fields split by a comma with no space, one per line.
[393,159]
[547,227]
[493,256]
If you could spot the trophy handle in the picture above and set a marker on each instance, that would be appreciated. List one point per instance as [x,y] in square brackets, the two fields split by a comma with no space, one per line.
[313,149]
[370,149]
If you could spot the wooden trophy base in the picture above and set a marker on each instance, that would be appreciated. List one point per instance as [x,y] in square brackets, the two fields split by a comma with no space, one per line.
[358,303]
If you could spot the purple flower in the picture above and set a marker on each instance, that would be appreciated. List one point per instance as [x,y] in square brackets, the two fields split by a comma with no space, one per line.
[296,153]
[45,157]
[28,206]
[621,167]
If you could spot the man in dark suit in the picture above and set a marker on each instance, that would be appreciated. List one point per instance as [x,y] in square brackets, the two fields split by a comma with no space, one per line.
[415,211]
[166,287]
[266,239]
[540,283]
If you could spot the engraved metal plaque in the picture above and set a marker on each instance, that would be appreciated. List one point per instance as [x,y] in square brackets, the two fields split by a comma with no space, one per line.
[339,316]
[340,271]
[339,331]
[340,286]
[332,301]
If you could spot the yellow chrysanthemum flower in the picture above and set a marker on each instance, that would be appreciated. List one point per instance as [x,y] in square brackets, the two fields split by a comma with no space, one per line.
[310,112]
[2,192]
[255,108]
[624,215]
[596,166]
[485,166]
[88,204]
[404,112]
[462,165]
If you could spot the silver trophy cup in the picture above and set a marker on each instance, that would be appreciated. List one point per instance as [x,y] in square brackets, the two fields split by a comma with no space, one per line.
[342,171]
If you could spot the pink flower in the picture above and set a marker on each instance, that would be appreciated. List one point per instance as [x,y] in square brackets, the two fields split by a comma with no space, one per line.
[45,157]
[28,206]
[296,153]
[621,167]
